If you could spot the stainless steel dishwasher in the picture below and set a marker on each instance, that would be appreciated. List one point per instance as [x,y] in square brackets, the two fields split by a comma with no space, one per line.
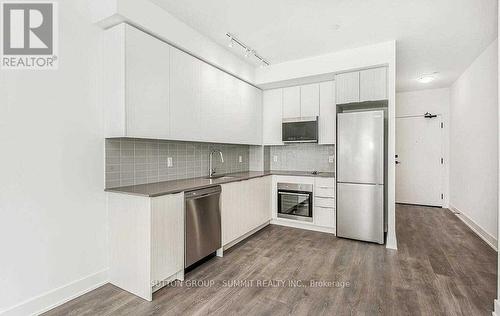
[202,224]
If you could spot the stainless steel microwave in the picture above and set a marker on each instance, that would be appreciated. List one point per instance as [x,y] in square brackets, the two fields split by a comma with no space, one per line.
[300,130]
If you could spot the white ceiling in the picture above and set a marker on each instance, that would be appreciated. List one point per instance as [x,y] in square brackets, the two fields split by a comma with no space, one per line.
[442,36]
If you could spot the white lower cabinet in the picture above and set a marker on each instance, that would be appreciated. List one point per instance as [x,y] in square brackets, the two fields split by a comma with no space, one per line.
[245,205]
[324,216]
[324,202]
[146,237]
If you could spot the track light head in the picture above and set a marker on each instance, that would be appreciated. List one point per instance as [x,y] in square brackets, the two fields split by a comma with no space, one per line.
[249,52]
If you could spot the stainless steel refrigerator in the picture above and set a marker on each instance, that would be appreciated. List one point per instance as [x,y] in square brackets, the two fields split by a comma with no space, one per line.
[360,175]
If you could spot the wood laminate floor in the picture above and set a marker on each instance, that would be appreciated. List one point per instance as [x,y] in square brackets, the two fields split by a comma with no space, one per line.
[441,268]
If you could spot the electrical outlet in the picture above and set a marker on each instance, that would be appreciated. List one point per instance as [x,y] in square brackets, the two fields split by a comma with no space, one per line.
[275,158]
[169,162]
[240,159]
[330,159]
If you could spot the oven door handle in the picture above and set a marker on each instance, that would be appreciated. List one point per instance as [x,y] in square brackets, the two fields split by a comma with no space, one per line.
[294,194]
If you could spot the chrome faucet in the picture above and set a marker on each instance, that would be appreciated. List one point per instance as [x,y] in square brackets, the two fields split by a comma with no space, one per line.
[211,169]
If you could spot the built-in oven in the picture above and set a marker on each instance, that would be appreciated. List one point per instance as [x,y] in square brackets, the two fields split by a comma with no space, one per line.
[295,201]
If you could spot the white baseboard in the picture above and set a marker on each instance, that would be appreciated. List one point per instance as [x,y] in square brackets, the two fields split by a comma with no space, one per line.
[245,236]
[483,234]
[496,309]
[53,298]
[301,225]
[391,242]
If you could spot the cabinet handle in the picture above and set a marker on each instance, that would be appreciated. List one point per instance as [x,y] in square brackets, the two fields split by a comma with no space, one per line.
[322,187]
[329,208]
[325,197]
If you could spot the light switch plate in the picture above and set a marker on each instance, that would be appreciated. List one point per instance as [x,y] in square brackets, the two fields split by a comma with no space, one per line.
[275,158]
[169,162]
[240,159]
[330,159]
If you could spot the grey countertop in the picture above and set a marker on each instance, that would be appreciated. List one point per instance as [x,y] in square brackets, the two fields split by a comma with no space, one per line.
[176,186]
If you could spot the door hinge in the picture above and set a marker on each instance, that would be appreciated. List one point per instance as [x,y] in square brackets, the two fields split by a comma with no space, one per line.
[442,196]
[442,125]
[442,161]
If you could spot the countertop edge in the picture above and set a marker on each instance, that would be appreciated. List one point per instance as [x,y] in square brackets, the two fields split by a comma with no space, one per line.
[225,181]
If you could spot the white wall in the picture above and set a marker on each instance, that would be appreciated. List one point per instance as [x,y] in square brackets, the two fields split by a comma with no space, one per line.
[435,101]
[53,237]
[421,101]
[474,143]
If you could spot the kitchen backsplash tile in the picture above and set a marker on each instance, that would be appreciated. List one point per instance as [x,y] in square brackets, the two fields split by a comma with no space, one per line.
[139,161]
[300,157]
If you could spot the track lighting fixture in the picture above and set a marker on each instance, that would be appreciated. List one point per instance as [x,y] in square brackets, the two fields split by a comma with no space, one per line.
[248,50]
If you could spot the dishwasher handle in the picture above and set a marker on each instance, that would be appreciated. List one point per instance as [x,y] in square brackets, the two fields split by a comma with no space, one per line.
[196,194]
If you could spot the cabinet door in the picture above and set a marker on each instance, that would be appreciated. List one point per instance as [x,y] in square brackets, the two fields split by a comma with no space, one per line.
[347,86]
[245,206]
[291,102]
[232,213]
[324,216]
[309,100]
[265,186]
[250,126]
[233,115]
[254,202]
[373,84]
[272,117]
[327,113]
[212,104]
[167,236]
[255,127]
[147,85]
[185,96]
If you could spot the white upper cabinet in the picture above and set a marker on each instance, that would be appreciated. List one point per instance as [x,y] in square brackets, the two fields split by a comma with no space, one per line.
[248,125]
[185,98]
[373,84]
[153,90]
[272,116]
[231,109]
[147,85]
[360,86]
[301,101]
[136,84]
[212,86]
[347,87]
[291,102]
[327,113]
[309,100]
